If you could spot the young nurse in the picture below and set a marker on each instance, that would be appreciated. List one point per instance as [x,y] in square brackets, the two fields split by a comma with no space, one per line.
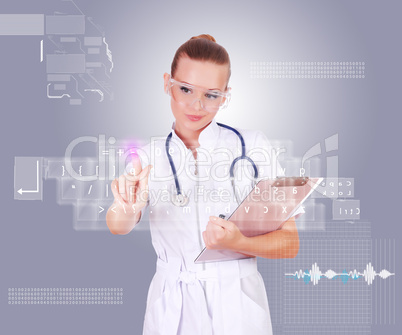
[187,190]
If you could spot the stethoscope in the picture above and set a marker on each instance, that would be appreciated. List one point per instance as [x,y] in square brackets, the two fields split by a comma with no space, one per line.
[180,199]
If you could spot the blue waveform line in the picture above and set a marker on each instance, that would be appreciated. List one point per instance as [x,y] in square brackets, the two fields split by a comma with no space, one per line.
[315,274]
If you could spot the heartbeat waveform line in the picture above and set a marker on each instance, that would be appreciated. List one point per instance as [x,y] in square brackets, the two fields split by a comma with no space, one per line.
[315,274]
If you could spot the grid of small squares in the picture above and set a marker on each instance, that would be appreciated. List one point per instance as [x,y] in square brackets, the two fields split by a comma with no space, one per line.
[65,296]
[280,295]
[307,70]
[340,300]
[384,291]
[327,330]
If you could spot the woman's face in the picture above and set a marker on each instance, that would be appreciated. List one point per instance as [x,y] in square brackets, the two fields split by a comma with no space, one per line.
[205,74]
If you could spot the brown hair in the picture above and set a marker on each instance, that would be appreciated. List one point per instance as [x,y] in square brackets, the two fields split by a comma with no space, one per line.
[202,47]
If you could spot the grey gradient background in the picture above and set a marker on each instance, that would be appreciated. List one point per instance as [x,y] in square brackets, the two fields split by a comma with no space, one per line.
[38,246]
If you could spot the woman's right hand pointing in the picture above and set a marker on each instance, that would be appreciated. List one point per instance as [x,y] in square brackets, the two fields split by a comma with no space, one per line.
[130,196]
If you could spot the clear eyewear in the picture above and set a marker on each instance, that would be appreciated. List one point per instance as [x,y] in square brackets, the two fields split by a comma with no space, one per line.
[187,94]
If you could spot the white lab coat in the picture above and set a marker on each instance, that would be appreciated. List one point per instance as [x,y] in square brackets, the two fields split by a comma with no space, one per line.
[212,298]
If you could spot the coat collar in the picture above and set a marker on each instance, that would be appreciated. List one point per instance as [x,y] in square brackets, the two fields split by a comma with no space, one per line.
[208,136]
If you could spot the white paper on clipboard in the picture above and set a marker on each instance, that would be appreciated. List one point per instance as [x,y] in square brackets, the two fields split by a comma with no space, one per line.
[265,209]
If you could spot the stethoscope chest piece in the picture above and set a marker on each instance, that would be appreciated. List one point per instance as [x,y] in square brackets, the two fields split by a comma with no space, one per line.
[180,200]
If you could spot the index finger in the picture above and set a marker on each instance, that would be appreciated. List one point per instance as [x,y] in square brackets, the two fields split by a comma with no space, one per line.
[220,222]
[136,166]
[135,159]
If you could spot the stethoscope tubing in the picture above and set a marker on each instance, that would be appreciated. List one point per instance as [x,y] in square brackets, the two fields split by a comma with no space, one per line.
[231,170]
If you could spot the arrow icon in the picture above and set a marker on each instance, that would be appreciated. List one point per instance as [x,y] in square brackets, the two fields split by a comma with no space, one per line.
[20,191]
[102,209]
[113,209]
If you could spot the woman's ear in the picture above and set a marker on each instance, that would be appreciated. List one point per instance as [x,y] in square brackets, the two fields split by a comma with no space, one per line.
[166,77]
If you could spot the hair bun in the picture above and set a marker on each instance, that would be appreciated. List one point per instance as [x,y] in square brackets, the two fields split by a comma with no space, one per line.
[201,48]
[205,36]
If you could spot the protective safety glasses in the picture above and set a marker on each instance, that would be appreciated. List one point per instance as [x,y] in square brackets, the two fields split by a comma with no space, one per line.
[187,94]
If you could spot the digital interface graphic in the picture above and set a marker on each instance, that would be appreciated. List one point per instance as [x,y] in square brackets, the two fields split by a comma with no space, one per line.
[82,90]
[74,48]
[314,275]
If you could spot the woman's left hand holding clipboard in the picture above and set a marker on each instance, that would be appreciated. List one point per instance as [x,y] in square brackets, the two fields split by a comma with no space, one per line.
[221,234]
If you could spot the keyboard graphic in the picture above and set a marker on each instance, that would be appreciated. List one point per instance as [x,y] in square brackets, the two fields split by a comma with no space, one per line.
[85,184]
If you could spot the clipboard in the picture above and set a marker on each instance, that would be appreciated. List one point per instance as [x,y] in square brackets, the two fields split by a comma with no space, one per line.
[265,209]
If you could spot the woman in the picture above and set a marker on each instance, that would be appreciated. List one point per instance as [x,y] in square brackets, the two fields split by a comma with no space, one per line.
[212,298]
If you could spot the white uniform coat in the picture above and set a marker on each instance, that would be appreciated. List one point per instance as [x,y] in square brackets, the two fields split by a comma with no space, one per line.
[211,298]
